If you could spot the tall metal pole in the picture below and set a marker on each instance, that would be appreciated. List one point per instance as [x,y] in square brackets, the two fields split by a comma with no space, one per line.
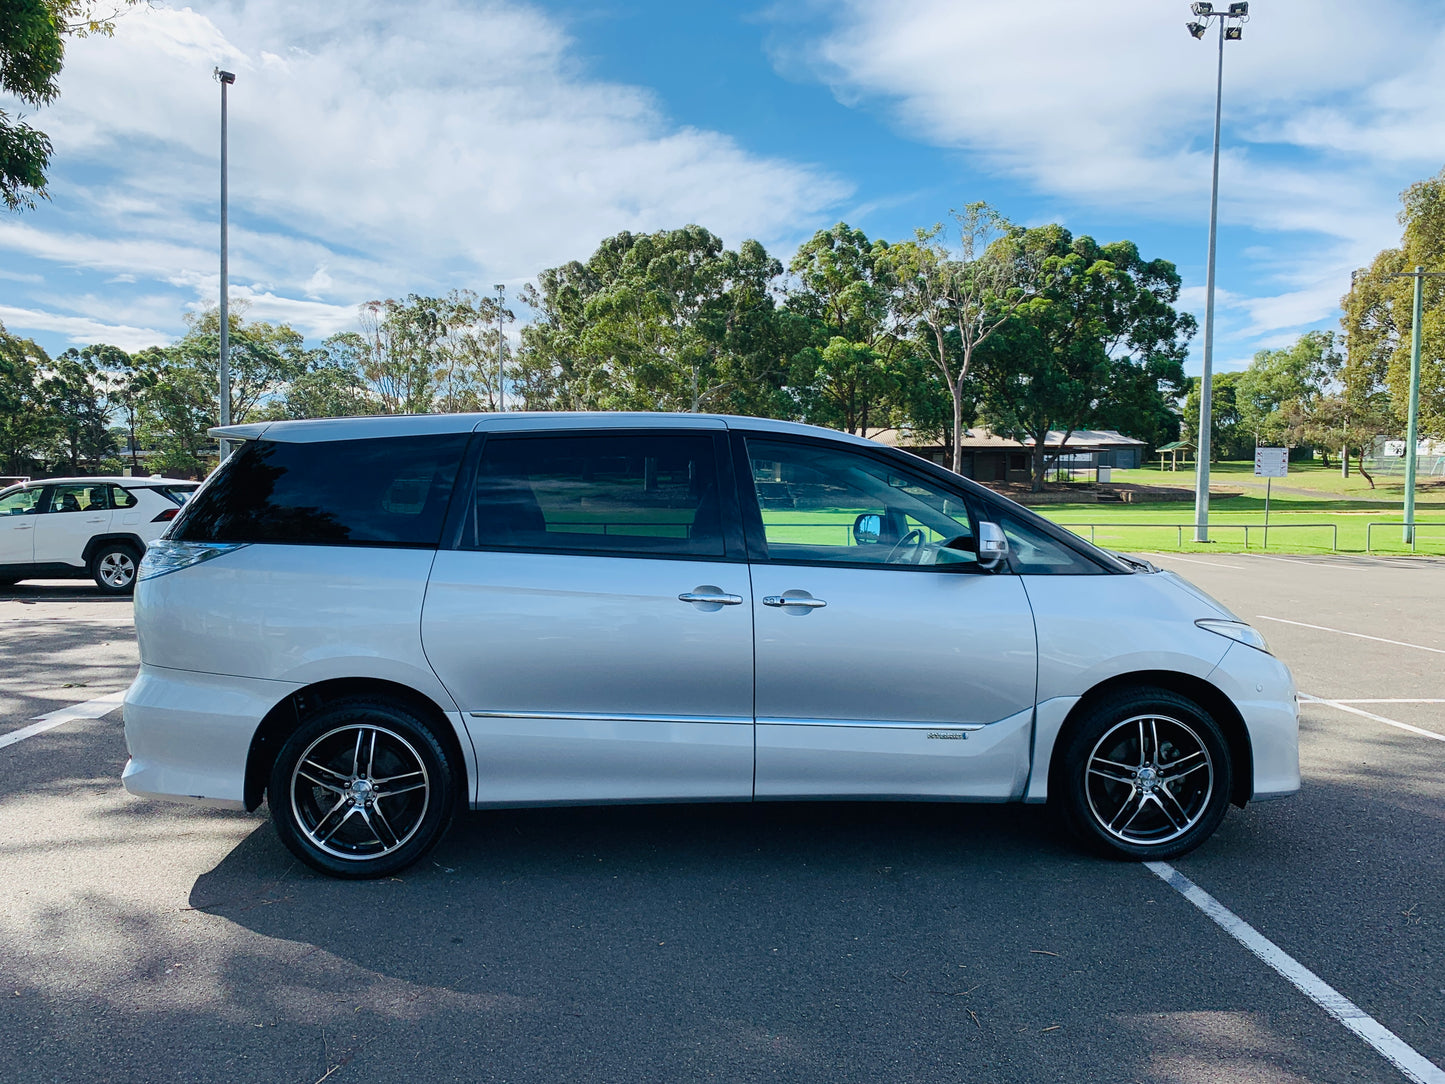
[501,299]
[226,79]
[1206,387]
[1412,426]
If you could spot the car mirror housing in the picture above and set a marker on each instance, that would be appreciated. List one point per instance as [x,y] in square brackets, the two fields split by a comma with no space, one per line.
[868,529]
[992,545]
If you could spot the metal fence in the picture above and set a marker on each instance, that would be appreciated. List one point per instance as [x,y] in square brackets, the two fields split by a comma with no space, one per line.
[1399,526]
[1333,528]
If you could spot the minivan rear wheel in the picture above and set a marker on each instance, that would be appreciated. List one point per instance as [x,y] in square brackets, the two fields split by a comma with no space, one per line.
[1145,774]
[362,789]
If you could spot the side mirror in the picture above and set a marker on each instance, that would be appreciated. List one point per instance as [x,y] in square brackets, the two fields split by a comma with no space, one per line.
[992,545]
[868,529]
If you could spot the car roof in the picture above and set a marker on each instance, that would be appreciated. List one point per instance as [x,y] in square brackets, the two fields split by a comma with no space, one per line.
[397,425]
[115,479]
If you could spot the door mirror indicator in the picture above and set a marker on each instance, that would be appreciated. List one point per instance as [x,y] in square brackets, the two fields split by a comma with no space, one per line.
[868,529]
[992,545]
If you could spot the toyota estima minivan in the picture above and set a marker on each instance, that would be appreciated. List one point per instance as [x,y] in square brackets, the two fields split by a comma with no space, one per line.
[372,623]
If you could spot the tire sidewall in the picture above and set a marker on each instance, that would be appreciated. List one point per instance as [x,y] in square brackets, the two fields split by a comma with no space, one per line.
[392,716]
[1080,741]
[101,554]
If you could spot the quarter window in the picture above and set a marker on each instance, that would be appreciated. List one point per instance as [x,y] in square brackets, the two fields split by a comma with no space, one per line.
[623,494]
[123,498]
[379,492]
[832,505]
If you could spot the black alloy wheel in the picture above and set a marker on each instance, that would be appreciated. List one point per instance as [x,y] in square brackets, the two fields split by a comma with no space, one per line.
[1145,774]
[363,789]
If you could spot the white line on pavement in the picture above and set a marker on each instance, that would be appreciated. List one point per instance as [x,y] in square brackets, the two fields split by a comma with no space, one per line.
[1389,700]
[1346,632]
[1395,1050]
[90,709]
[1196,561]
[1341,705]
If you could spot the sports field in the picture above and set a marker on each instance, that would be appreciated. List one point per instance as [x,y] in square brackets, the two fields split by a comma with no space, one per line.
[1314,510]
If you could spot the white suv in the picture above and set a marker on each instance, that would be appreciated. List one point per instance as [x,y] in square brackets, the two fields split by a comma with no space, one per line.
[70,528]
[374,622]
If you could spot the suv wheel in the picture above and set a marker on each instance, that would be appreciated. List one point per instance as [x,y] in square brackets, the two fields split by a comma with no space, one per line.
[362,789]
[1145,774]
[113,568]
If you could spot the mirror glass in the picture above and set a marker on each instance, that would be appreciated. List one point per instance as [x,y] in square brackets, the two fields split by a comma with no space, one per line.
[867,529]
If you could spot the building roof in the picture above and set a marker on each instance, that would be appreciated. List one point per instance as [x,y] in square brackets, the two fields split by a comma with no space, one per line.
[980,437]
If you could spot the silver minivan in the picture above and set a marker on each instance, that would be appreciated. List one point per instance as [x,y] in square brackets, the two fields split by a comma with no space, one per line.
[372,623]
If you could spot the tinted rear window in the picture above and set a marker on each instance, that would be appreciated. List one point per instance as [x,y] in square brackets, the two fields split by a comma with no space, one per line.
[389,491]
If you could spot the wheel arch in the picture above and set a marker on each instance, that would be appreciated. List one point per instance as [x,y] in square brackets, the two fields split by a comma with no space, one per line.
[292,711]
[1210,697]
[132,540]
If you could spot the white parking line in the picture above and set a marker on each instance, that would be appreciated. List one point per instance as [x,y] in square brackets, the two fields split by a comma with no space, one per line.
[1399,1053]
[90,709]
[1196,561]
[1342,705]
[1390,700]
[1346,632]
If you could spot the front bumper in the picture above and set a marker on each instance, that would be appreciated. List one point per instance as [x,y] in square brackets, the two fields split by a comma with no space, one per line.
[1263,690]
[189,733]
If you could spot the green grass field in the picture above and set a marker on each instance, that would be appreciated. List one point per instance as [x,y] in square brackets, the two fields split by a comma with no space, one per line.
[1310,496]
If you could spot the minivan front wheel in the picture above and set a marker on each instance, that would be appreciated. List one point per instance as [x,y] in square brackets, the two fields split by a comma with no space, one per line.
[362,789]
[1145,774]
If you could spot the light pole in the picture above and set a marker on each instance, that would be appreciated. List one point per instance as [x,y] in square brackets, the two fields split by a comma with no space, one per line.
[1229,29]
[1412,424]
[225,79]
[501,299]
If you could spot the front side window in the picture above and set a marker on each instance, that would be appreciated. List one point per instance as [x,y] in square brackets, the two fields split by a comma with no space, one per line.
[834,505]
[650,494]
[80,498]
[22,502]
[378,492]
[1033,552]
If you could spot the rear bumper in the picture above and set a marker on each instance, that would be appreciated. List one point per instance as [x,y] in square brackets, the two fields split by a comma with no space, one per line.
[189,733]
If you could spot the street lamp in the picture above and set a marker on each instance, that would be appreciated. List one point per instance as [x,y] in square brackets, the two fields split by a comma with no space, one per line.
[1412,424]
[501,289]
[225,79]
[1229,28]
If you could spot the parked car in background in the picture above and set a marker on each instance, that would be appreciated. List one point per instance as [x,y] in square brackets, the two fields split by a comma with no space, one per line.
[371,623]
[71,528]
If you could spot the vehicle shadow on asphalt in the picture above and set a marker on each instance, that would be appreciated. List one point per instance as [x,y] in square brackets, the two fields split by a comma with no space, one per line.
[827,941]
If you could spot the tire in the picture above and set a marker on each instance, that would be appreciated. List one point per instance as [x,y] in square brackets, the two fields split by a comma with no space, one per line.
[1144,774]
[362,789]
[113,567]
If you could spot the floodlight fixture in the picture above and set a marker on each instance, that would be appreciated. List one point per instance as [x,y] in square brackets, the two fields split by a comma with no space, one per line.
[1239,10]
[225,77]
[1202,8]
[1197,29]
[1233,33]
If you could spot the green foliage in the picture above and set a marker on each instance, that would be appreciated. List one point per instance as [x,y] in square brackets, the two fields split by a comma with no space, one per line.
[32,53]
[25,421]
[1227,438]
[75,398]
[1379,312]
[1279,391]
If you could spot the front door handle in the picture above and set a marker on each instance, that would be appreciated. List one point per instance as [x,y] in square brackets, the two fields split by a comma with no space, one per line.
[715,596]
[804,603]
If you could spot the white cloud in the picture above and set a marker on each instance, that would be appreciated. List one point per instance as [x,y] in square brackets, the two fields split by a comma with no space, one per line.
[79,330]
[375,149]
[1327,104]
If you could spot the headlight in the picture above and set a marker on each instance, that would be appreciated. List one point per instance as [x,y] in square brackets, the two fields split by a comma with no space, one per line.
[1235,630]
[164,556]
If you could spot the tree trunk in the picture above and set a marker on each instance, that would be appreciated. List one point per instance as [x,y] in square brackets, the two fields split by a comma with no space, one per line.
[1344,460]
[1325,456]
[1363,472]
[957,427]
[1040,459]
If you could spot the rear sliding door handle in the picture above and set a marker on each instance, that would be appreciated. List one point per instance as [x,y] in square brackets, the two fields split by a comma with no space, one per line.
[788,600]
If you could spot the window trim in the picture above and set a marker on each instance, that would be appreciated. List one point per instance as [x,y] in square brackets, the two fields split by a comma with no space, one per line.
[734,545]
[753,515]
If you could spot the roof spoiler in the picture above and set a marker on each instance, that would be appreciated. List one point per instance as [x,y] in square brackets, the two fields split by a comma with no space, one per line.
[239,432]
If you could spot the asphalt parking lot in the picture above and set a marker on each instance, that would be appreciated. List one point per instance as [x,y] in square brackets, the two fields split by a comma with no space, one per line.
[153,942]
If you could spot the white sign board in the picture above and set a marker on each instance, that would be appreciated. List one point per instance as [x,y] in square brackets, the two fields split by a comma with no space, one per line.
[1271,462]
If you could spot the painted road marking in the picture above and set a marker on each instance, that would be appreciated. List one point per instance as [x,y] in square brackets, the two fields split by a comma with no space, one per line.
[1344,706]
[90,709]
[1346,632]
[1390,700]
[1395,1050]
[1195,561]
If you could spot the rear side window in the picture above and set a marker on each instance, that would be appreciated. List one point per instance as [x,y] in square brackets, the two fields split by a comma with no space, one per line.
[391,491]
[644,494]
[123,498]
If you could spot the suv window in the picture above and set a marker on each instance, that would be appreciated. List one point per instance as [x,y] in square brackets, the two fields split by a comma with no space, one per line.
[632,494]
[388,491]
[834,505]
[22,502]
[123,498]
[79,498]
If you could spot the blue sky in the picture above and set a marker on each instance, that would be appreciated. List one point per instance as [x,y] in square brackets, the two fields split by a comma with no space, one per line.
[382,148]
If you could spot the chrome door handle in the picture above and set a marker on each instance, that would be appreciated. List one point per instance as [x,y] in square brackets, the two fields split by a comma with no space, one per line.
[717,599]
[804,603]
